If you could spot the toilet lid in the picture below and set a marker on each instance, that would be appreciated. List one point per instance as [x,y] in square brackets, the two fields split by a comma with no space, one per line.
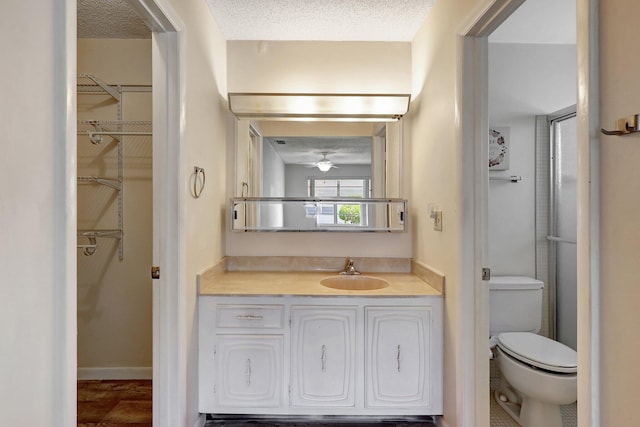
[539,351]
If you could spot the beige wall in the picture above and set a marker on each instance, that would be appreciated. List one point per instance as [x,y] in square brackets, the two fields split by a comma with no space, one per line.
[204,120]
[319,67]
[114,297]
[434,152]
[619,225]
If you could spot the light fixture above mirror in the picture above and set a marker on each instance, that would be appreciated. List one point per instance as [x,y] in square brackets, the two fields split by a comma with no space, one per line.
[305,106]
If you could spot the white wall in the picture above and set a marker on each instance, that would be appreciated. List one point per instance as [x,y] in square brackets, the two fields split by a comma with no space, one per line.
[273,172]
[619,226]
[273,185]
[297,176]
[525,80]
[114,297]
[37,214]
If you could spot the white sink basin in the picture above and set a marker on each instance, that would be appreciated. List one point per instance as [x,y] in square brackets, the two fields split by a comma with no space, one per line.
[354,283]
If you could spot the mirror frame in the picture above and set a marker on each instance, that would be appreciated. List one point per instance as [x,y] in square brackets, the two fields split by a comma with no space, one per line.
[249,129]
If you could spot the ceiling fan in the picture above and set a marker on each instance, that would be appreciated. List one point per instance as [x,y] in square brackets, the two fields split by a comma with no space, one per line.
[323,164]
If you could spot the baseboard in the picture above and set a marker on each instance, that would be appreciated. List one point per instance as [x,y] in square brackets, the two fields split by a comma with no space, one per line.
[120,373]
[440,422]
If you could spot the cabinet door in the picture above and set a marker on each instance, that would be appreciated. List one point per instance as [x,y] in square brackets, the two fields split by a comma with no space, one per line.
[323,356]
[249,371]
[397,356]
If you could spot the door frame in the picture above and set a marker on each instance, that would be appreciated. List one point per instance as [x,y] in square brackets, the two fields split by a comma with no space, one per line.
[473,99]
[169,247]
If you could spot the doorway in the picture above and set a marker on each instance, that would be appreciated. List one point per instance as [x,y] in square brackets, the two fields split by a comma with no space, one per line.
[167,240]
[476,65]
[115,211]
[521,84]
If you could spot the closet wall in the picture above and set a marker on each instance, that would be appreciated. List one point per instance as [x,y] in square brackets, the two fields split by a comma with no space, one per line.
[114,296]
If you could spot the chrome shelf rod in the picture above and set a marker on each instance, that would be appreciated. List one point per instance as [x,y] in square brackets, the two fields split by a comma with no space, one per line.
[512,178]
[560,240]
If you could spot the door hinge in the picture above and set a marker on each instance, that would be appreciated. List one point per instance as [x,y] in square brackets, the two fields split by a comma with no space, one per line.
[155,272]
[486,273]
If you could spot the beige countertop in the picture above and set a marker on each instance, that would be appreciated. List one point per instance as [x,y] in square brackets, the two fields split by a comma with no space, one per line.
[305,283]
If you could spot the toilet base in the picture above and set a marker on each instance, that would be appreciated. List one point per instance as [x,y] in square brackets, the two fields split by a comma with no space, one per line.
[531,413]
[512,409]
[536,413]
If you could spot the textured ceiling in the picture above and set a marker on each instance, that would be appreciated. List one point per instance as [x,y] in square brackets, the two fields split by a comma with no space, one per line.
[109,19]
[331,20]
[348,20]
[337,20]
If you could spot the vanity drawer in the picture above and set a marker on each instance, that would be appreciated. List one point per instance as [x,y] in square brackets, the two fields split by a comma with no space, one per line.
[250,316]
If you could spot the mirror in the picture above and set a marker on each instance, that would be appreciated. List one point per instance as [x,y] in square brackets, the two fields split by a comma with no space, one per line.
[312,160]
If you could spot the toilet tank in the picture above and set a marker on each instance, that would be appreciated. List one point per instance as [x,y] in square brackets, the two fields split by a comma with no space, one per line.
[515,304]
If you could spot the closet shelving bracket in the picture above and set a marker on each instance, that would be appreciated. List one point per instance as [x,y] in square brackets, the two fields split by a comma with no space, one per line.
[89,84]
[95,129]
[93,235]
[108,182]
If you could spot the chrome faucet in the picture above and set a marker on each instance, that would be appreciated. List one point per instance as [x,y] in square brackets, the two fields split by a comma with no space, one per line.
[349,268]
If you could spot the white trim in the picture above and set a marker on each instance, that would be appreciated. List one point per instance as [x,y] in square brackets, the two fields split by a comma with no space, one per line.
[588,113]
[169,333]
[120,373]
[472,90]
[65,343]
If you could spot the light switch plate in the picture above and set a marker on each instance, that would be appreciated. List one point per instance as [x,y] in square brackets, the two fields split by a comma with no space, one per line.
[437,221]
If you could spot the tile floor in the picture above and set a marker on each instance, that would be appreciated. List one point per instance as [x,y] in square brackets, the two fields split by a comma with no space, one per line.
[114,403]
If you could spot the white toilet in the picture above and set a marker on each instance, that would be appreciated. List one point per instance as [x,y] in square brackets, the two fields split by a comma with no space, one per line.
[538,374]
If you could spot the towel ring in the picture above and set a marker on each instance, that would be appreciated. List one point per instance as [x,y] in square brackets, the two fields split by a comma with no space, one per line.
[198,183]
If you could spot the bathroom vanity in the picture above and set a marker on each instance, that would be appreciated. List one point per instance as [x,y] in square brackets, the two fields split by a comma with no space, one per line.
[280,343]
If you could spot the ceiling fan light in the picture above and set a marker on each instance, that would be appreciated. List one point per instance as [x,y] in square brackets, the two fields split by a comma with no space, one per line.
[324,165]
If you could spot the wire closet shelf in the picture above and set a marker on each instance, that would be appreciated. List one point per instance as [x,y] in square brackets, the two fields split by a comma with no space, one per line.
[107,132]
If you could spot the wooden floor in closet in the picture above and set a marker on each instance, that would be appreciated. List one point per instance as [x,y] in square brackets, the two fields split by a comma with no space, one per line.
[114,403]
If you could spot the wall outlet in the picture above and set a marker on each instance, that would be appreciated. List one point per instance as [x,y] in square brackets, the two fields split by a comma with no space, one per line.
[437,221]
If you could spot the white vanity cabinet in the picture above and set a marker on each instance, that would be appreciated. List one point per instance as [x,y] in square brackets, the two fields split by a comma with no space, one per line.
[398,356]
[241,356]
[302,355]
[248,371]
[323,354]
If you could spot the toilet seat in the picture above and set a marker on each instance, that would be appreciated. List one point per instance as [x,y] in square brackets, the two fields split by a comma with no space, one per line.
[539,351]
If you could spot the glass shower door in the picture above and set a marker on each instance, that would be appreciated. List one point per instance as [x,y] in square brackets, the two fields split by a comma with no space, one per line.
[563,234]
